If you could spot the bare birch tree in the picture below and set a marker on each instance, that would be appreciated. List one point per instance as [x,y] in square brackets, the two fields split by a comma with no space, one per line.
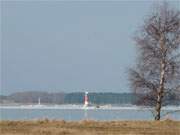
[157,73]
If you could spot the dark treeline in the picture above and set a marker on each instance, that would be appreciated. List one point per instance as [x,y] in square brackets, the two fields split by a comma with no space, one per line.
[101,98]
[75,98]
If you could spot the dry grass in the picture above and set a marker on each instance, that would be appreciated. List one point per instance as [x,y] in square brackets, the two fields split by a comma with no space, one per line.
[54,127]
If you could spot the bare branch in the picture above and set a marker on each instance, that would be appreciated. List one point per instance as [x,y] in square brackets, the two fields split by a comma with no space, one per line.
[157,74]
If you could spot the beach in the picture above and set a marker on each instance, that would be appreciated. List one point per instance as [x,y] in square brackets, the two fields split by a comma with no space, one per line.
[89,127]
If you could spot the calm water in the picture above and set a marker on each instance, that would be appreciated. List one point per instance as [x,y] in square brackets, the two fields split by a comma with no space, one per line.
[80,114]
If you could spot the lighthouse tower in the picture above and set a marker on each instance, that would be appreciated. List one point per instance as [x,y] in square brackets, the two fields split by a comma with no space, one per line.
[86,99]
[39,101]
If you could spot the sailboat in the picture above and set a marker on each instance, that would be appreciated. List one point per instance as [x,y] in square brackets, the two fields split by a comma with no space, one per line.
[39,105]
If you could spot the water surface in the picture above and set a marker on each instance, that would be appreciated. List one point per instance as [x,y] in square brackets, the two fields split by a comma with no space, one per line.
[75,113]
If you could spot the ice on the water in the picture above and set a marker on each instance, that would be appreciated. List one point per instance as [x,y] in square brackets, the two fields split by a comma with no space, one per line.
[70,106]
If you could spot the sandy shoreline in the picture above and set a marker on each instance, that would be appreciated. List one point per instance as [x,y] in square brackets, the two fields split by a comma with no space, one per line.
[89,127]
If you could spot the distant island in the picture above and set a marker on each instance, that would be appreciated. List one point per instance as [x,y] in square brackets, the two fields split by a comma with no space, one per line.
[31,97]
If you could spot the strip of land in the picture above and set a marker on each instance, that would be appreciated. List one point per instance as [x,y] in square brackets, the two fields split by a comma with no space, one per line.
[89,127]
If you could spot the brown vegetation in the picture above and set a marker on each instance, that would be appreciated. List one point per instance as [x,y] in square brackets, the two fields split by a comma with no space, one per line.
[54,127]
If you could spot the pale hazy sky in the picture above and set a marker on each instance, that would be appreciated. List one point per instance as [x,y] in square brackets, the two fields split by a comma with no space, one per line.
[69,46]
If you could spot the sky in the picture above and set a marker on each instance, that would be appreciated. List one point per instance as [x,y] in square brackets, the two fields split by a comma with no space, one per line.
[71,46]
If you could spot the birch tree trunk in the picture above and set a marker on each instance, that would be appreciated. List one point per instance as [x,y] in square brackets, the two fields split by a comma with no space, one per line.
[162,78]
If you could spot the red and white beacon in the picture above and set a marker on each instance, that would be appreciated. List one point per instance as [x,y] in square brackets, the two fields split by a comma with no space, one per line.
[86,99]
